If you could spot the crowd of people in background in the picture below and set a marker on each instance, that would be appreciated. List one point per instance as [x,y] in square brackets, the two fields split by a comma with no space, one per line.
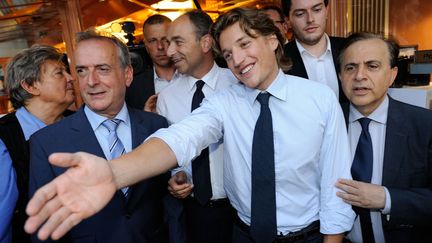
[292,137]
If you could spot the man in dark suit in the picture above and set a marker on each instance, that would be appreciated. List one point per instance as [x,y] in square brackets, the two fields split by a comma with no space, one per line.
[397,193]
[152,79]
[313,53]
[135,214]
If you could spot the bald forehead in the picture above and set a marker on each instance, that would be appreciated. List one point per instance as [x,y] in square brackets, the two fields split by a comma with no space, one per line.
[367,50]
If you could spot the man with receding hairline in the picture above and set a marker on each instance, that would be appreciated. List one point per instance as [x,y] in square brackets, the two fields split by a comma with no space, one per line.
[391,190]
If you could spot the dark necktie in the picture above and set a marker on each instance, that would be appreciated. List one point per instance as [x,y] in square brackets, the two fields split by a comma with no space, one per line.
[116,147]
[201,164]
[263,227]
[361,170]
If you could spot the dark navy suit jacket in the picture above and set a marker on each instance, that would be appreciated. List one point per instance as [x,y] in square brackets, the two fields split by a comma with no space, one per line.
[298,68]
[140,217]
[141,88]
[407,173]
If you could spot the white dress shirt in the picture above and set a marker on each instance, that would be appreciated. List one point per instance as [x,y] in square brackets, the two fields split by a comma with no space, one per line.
[310,142]
[322,68]
[377,130]
[160,83]
[174,103]
[123,130]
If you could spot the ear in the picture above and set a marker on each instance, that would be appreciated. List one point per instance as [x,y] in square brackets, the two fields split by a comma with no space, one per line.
[31,89]
[273,41]
[394,72]
[206,42]
[128,75]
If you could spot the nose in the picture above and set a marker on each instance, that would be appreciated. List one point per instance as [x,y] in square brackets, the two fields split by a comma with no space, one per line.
[68,76]
[360,74]
[93,78]
[160,44]
[310,17]
[237,57]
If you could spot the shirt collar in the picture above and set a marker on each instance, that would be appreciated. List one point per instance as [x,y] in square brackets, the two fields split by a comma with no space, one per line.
[303,51]
[96,120]
[209,79]
[378,115]
[278,89]
[174,77]
[30,122]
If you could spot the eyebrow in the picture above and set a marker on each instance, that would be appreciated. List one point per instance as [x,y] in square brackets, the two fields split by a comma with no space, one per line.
[304,9]
[237,41]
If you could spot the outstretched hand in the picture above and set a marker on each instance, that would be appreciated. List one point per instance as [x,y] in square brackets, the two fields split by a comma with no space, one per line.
[82,191]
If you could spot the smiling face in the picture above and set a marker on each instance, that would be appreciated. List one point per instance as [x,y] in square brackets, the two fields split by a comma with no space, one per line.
[366,74]
[252,60]
[55,84]
[185,50]
[101,78]
[308,19]
[156,43]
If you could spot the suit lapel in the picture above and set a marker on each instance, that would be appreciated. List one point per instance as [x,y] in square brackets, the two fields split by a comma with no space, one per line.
[395,143]
[83,136]
[298,67]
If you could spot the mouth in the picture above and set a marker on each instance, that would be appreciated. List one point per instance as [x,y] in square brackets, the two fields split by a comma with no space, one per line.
[96,94]
[360,90]
[311,29]
[246,69]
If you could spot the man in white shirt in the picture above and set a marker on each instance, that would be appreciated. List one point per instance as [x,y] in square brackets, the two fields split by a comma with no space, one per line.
[394,197]
[306,151]
[209,219]
[313,53]
[148,82]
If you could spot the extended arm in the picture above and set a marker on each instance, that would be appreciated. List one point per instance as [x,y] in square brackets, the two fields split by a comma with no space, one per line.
[80,192]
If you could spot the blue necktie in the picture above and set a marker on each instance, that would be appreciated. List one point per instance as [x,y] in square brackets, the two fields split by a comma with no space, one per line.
[263,227]
[116,147]
[201,164]
[361,170]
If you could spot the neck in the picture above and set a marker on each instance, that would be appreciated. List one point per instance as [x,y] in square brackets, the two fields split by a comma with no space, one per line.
[316,49]
[205,67]
[46,112]
[165,73]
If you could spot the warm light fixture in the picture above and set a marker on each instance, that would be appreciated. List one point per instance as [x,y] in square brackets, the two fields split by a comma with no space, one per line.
[173,5]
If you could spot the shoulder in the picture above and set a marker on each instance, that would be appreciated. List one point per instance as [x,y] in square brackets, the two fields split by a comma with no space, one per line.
[140,115]
[411,112]
[61,127]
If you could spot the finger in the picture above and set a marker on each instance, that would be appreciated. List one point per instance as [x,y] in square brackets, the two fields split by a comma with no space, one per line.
[40,198]
[53,222]
[50,208]
[65,159]
[57,219]
[346,188]
[65,226]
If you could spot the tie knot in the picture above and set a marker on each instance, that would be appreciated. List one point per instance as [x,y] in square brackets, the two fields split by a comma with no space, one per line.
[111,124]
[199,84]
[364,122]
[263,98]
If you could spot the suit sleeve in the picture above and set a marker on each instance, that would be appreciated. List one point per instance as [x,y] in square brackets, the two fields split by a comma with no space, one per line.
[413,205]
[41,172]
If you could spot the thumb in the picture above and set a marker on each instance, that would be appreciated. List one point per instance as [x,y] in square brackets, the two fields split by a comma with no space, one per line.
[66,159]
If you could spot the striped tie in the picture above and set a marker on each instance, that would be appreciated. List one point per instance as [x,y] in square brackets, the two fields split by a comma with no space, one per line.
[116,147]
